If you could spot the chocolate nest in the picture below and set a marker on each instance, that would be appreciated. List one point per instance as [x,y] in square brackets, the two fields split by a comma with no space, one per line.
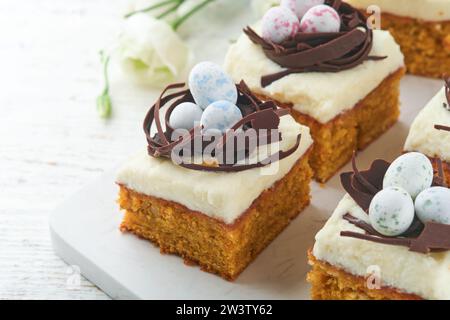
[362,186]
[323,52]
[263,117]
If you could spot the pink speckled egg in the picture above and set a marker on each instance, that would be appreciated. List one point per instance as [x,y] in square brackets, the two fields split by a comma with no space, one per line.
[300,7]
[279,24]
[321,18]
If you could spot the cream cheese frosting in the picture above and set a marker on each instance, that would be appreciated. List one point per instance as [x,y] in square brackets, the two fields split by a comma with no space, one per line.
[423,137]
[224,196]
[321,95]
[430,10]
[426,275]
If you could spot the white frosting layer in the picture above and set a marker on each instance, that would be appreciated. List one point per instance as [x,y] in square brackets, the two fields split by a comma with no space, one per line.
[224,196]
[430,10]
[423,137]
[426,275]
[320,95]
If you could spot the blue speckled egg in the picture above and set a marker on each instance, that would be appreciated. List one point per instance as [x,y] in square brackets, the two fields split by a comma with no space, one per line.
[433,205]
[209,83]
[412,171]
[391,211]
[220,116]
[185,115]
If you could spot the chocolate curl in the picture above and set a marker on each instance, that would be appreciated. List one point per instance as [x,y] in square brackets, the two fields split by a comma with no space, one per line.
[441,127]
[383,240]
[361,224]
[320,52]
[435,237]
[257,115]
[358,176]
[441,176]
[280,155]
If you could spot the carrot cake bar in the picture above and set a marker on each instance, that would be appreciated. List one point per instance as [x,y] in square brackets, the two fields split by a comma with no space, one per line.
[389,237]
[429,132]
[223,174]
[342,80]
[421,27]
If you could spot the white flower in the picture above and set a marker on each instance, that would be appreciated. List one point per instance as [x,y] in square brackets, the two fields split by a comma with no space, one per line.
[151,52]
[260,7]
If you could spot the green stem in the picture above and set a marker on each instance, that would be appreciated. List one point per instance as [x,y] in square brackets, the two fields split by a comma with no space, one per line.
[178,22]
[153,7]
[169,11]
[104,105]
[106,72]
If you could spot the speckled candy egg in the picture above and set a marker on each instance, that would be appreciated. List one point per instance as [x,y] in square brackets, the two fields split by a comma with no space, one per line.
[412,171]
[209,83]
[321,18]
[300,7]
[391,211]
[185,115]
[220,116]
[279,24]
[433,205]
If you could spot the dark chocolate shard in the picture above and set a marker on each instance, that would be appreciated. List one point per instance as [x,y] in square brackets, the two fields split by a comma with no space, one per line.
[360,192]
[434,237]
[361,224]
[440,180]
[441,127]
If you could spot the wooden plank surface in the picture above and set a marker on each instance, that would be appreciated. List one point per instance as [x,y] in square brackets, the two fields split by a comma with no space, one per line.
[51,141]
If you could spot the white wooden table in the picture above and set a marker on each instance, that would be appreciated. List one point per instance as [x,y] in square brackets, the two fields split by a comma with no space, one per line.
[52,142]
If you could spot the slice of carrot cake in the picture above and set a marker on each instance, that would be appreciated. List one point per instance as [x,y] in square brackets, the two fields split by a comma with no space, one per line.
[389,237]
[338,77]
[224,173]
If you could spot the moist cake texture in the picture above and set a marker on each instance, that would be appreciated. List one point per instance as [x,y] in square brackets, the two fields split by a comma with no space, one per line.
[422,28]
[426,10]
[218,247]
[332,283]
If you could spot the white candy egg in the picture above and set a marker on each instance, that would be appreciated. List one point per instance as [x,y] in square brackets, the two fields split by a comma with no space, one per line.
[279,24]
[185,115]
[412,171]
[209,83]
[321,18]
[391,211]
[220,116]
[300,7]
[433,205]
